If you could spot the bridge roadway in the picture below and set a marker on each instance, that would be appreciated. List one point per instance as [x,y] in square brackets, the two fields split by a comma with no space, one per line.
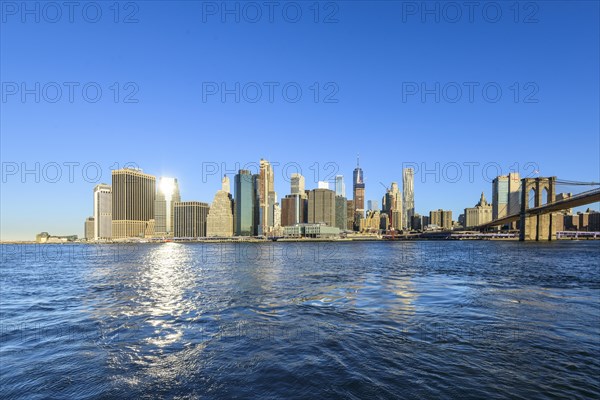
[591,196]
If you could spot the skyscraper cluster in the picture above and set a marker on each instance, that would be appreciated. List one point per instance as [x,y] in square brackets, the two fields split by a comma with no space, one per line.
[137,205]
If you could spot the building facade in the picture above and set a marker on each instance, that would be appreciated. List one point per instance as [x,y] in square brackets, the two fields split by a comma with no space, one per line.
[219,222]
[341,212]
[88,228]
[321,207]
[245,203]
[133,195]
[189,219]
[167,194]
[441,218]
[266,197]
[294,210]
[408,196]
[392,206]
[102,212]
[478,215]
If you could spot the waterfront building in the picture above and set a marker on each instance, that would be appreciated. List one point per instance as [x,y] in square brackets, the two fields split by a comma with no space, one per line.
[441,218]
[88,228]
[245,203]
[311,231]
[408,196]
[478,215]
[133,195]
[167,194]
[190,219]
[219,222]
[102,229]
[321,207]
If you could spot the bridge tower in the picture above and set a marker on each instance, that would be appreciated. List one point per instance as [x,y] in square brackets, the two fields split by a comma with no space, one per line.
[537,226]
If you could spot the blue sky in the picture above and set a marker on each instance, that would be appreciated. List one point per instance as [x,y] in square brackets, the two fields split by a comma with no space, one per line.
[369,60]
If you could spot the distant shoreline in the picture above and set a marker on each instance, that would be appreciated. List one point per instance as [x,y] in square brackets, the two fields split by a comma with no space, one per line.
[290,240]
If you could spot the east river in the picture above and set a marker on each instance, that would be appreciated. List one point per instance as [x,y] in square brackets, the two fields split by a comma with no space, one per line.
[423,319]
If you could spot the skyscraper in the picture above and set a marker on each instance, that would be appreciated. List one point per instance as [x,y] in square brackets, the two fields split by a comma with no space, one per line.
[408,196]
[266,195]
[341,212]
[373,205]
[514,193]
[321,207]
[297,185]
[358,193]
[340,187]
[102,225]
[392,206]
[500,198]
[133,194]
[167,194]
[245,198]
[190,219]
[293,210]
[219,222]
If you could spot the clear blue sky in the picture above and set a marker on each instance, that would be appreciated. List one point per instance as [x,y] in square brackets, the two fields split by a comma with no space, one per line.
[373,58]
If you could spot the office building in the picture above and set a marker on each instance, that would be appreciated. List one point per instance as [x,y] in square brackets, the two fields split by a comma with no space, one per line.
[500,198]
[219,222]
[245,215]
[102,212]
[298,185]
[294,210]
[88,228]
[167,194]
[478,215]
[350,215]
[358,188]
[392,206]
[373,205]
[514,193]
[133,195]
[408,196]
[341,212]
[266,197]
[189,219]
[340,186]
[441,218]
[321,207]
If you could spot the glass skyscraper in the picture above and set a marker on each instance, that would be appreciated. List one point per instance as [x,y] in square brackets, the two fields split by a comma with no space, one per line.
[245,198]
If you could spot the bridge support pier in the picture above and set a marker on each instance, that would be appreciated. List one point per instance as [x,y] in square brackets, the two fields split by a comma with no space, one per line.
[538,227]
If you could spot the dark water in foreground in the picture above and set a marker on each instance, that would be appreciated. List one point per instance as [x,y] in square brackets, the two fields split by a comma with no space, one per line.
[351,320]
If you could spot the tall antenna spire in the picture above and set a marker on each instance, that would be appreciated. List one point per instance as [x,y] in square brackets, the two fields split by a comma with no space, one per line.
[357,160]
